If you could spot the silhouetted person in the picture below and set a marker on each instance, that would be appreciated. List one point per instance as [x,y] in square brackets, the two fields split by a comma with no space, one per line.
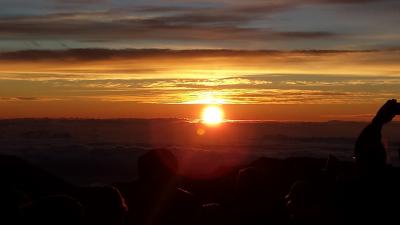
[155,197]
[306,204]
[369,196]
[258,199]
[369,152]
[331,165]
[250,200]
[158,167]
[60,210]
[103,205]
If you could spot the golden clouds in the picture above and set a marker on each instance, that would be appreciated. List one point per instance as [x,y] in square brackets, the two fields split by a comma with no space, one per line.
[158,63]
[74,79]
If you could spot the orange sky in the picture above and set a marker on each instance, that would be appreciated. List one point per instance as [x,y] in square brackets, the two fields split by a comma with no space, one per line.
[252,85]
[269,60]
[99,109]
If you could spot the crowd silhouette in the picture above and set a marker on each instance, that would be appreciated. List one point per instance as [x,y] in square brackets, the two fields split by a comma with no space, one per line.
[267,191]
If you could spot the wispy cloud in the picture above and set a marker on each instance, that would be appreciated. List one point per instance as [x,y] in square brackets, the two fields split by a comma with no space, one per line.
[27,98]
[165,63]
[93,26]
[261,89]
[185,23]
[105,54]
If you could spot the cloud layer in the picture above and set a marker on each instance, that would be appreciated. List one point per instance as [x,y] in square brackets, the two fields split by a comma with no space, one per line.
[166,63]
[260,89]
[284,24]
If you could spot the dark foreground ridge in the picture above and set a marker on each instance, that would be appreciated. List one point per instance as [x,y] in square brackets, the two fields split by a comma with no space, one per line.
[267,191]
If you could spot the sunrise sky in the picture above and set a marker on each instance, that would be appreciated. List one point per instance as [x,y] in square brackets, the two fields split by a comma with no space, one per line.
[311,60]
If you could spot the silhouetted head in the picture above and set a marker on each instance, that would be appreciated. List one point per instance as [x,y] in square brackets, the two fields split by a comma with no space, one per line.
[103,205]
[248,181]
[303,202]
[59,209]
[157,165]
[331,164]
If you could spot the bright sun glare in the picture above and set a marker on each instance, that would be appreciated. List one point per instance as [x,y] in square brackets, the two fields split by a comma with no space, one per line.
[212,115]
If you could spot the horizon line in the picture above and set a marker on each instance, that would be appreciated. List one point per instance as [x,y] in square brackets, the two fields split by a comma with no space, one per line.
[184,119]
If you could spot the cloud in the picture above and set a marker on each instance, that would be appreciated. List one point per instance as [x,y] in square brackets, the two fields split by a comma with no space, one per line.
[26,98]
[306,35]
[194,27]
[79,1]
[188,24]
[344,1]
[107,54]
[261,89]
[224,23]
[92,64]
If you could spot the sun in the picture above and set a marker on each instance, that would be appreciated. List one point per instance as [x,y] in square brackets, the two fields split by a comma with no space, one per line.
[212,115]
